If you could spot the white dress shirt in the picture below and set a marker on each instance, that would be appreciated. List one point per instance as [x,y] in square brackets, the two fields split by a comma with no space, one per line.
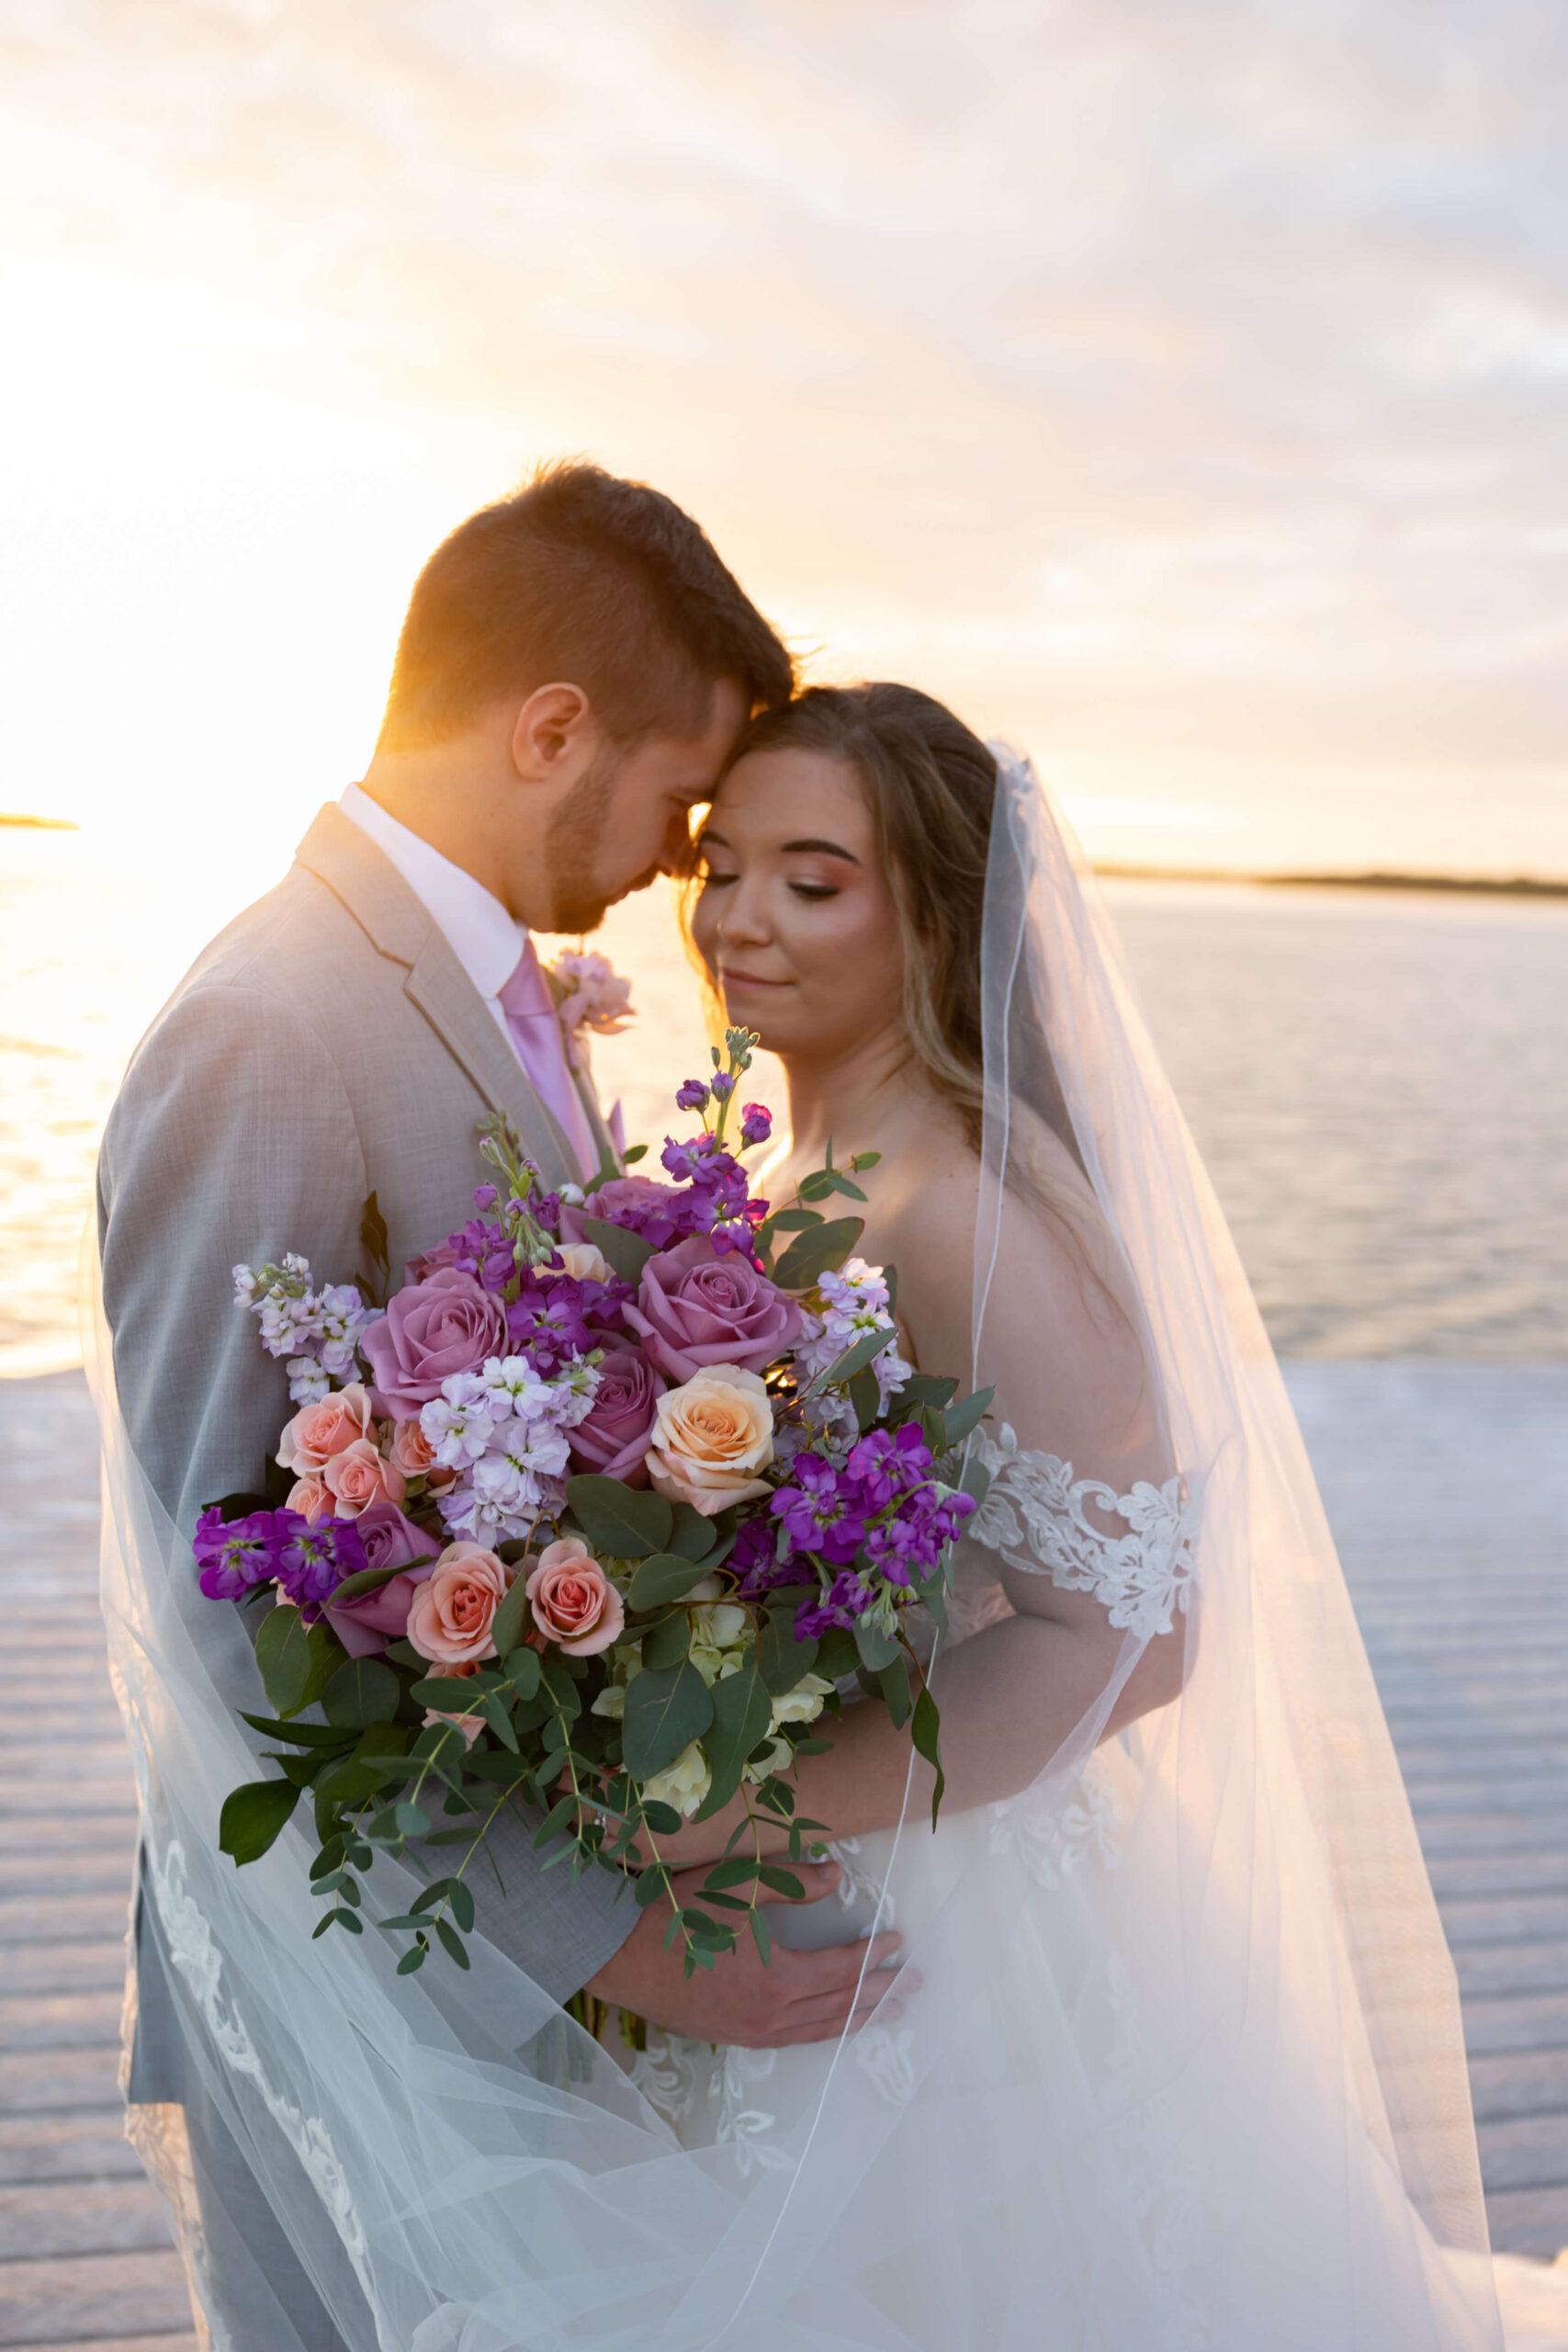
[485,939]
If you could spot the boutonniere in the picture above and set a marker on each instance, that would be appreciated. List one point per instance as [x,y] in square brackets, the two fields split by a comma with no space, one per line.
[589,994]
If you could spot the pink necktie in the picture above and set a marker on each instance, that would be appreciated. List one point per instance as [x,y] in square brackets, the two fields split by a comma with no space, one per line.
[531,1017]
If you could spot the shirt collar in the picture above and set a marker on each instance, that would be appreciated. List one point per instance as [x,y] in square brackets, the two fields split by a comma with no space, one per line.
[485,939]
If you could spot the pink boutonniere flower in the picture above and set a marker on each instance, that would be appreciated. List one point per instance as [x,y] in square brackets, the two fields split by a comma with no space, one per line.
[589,994]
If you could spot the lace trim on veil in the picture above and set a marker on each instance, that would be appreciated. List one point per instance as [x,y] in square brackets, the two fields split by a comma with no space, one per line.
[1034,1515]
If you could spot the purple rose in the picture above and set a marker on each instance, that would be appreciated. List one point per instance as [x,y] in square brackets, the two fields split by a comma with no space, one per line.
[697,1308]
[364,1626]
[639,1202]
[616,1435]
[430,1331]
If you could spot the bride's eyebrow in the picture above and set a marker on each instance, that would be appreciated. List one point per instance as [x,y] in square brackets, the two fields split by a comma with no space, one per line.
[823,849]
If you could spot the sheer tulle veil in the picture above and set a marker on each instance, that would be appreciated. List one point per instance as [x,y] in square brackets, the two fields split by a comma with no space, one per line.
[1185,2067]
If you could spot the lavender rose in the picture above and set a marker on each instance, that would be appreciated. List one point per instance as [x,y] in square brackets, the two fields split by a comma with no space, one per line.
[365,1626]
[429,1332]
[696,1308]
[614,1436]
[639,1202]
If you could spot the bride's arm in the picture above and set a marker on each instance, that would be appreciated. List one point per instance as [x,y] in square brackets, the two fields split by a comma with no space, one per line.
[1063,1342]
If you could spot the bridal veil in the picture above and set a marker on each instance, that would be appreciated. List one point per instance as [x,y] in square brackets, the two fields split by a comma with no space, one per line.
[1184,2073]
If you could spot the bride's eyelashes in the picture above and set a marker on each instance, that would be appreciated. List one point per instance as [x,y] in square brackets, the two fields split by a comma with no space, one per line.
[814,889]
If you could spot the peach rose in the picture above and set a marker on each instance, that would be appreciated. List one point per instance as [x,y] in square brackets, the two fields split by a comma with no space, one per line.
[573,1600]
[320,1431]
[357,1477]
[710,1438]
[410,1452]
[584,1263]
[452,1612]
[310,1498]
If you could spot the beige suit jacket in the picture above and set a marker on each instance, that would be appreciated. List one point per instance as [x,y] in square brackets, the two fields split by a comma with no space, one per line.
[327,1045]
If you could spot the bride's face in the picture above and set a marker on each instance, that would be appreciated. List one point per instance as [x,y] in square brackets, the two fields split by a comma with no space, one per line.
[795,921]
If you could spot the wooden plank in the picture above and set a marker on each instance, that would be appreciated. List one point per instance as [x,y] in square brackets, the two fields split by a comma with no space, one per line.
[1526,2221]
[68,1868]
[1497,1919]
[34,2082]
[84,2217]
[64,1918]
[58,2020]
[1527,1968]
[97,1966]
[112,2295]
[91,2146]
[1518,2022]
[1524,2152]
[1520,1870]
[116,2344]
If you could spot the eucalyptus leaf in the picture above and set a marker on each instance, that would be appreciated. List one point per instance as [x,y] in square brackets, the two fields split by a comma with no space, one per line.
[866,1350]
[876,1648]
[506,1627]
[975,1479]
[252,1817]
[668,1642]
[361,1692]
[742,1712]
[782,1659]
[795,1220]
[620,1521]
[925,1732]
[666,1578]
[522,1667]
[893,1684]
[665,1712]
[368,1580]
[625,1253]
[696,1534]
[300,1734]
[815,1253]
[865,1398]
[295,1662]
[957,1420]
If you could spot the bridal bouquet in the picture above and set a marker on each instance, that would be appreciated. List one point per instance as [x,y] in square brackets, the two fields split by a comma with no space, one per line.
[590,1518]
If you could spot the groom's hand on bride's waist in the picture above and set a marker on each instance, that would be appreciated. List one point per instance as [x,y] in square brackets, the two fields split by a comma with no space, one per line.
[798,1996]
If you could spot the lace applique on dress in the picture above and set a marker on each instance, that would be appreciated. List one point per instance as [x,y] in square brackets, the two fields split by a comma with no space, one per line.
[1034,1515]
[887,2059]
[1049,1848]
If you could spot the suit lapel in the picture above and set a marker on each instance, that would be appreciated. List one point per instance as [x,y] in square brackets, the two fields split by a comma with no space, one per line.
[401,929]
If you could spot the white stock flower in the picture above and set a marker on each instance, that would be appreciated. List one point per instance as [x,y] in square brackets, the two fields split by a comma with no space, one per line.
[719,1624]
[458,1424]
[611,1702]
[804,1704]
[496,1501]
[244,1284]
[777,1756]
[308,1383]
[685,1782]
[339,1317]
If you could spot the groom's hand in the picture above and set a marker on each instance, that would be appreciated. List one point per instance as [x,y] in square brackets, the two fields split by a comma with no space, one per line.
[798,1996]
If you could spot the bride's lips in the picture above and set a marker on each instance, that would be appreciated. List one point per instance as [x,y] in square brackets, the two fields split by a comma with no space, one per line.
[734,979]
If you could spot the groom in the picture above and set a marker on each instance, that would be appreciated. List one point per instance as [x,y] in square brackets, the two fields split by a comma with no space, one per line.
[575,665]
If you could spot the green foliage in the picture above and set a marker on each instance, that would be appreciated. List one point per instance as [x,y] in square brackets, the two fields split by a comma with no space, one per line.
[296,1662]
[817,1253]
[668,1640]
[252,1817]
[876,1648]
[627,1254]
[361,1692]
[780,1659]
[742,1711]
[667,1576]
[925,1732]
[374,1241]
[866,1350]
[695,1535]
[506,1629]
[665,1712]
[620,1521]
[957,1420]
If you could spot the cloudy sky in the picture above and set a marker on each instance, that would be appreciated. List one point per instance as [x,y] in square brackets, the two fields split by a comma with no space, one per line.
[1175,385]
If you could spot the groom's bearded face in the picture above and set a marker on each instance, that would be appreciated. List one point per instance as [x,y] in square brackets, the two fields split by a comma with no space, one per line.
[627,820]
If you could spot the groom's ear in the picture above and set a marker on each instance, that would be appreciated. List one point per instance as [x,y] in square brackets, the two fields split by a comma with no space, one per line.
[556,738]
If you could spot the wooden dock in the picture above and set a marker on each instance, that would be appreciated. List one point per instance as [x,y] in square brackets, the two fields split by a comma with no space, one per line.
[1448,1486]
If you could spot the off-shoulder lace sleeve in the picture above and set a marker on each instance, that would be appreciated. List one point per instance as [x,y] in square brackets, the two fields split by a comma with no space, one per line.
[1034,1516]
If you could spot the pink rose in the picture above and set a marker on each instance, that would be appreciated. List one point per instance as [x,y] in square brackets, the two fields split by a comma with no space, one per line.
[430,1331]
[614,1437]
[410,1452]
[310,1498]
[391,1540]
[695,1307]
[439,1260]
[573,1600]
[320,1431]
[454,1608]
[358,1476]
[628,1200]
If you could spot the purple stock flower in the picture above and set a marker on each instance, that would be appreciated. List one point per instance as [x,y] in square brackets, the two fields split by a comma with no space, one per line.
[235,1556]
[756,1125]
[754,1558]
[313,1561]
[723,1086]
[822,1512]
[485,1197]
[692,1096]
[847,1600]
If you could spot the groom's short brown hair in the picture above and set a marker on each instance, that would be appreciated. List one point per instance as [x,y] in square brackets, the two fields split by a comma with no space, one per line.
[584,578]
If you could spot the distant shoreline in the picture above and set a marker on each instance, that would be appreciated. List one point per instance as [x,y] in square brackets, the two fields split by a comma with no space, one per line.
[42,824]
[1516,886]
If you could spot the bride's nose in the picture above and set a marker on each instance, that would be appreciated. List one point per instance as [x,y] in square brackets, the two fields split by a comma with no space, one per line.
[745,919]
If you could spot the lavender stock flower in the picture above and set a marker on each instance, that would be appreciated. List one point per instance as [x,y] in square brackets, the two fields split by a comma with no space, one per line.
[233,1557]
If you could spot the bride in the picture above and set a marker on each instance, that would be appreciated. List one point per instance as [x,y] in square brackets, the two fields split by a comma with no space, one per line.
[1174,2061]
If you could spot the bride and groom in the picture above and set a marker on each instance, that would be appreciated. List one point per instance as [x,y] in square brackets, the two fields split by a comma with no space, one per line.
[1155,2042]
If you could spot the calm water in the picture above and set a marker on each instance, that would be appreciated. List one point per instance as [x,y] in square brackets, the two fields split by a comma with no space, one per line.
[1380,1084]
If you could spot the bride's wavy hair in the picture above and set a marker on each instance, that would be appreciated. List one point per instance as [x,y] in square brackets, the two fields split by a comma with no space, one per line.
[930,785]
